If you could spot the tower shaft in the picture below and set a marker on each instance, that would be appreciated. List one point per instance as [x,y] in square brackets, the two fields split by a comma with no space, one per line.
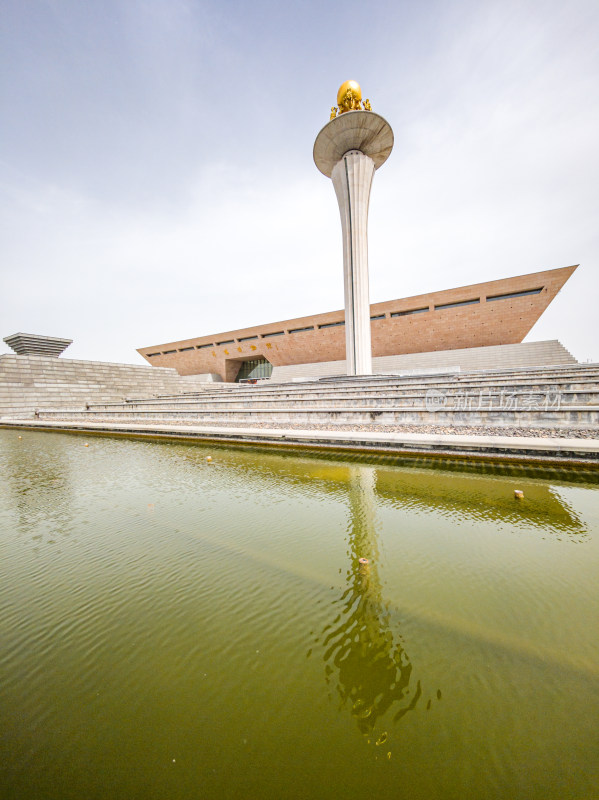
[352,179]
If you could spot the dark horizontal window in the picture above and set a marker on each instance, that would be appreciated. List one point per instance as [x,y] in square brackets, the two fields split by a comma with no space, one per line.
[227,341]
[151,355]
[185,349]
[202,346]
[168,352]
[332,324]
[411,311]
[247,338]
[515,294]
[276,333]
[378,316]
[456,305]
[299,330]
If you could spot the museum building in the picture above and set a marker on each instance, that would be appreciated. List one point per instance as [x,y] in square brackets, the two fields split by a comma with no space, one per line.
[500,312]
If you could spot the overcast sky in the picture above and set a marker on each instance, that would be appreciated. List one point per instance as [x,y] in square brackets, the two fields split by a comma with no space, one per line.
[156,168]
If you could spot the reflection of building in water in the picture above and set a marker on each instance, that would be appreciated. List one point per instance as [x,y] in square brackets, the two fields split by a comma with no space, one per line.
[485,495]
[373,670]
[480,498]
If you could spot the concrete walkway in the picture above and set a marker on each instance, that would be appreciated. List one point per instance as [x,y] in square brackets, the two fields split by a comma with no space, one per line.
[510,448]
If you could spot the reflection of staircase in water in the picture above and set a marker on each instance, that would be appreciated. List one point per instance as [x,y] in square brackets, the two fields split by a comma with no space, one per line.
[561,396]
[369,664]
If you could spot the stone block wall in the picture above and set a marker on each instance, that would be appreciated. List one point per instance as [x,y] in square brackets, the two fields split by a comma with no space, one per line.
[30,382]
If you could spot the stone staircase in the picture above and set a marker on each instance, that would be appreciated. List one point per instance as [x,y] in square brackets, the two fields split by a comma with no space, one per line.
[562,396]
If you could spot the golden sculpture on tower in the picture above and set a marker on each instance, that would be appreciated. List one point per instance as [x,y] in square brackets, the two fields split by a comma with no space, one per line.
[349,98]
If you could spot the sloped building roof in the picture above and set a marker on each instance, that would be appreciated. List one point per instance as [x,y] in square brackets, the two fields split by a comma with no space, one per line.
[482,314]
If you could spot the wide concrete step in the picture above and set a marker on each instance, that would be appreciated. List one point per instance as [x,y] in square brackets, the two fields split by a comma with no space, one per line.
[338,379]
[382,392]
[584,387]
[377,385]
[452,397]
[578,379]
[573,416]
[393,380]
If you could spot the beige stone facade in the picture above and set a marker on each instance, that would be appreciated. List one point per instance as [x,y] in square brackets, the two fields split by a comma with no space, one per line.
[492,313]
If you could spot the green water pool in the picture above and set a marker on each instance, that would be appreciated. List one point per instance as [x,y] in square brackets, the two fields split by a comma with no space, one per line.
[173,628]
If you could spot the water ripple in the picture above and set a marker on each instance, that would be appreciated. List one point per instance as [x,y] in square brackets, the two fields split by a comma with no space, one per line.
[158,613]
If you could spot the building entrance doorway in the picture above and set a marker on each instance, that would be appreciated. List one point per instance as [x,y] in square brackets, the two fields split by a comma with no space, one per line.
[252,370]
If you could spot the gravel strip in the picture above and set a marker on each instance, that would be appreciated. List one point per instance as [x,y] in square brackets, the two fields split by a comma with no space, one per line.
[456,430]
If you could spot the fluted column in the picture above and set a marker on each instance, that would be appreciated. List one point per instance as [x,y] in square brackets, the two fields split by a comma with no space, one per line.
[352,179]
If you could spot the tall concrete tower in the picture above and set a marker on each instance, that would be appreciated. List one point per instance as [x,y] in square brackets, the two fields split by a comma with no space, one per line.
[350,147]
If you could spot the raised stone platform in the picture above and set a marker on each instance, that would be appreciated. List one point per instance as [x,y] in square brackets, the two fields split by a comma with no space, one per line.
[32,344]
[546,397]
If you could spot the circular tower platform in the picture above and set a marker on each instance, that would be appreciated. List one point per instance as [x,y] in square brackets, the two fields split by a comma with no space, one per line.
[353,130]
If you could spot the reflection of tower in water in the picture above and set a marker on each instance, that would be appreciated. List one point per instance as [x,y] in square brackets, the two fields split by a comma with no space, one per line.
[373,670]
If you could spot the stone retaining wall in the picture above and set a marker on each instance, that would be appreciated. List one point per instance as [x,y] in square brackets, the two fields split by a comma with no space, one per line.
[30,382]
